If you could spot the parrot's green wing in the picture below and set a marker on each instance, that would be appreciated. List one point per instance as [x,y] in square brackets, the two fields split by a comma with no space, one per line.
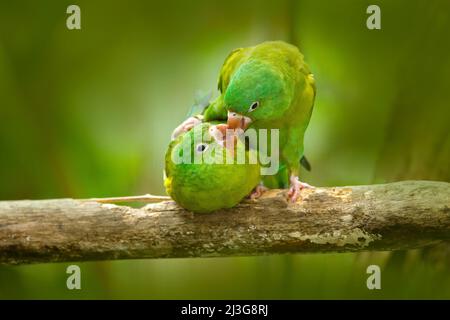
[279,180]
[207,185]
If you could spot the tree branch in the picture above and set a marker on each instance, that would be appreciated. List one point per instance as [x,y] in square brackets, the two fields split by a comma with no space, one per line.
[402,215]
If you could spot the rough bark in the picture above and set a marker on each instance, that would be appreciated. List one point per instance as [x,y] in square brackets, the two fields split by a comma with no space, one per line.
[393,216]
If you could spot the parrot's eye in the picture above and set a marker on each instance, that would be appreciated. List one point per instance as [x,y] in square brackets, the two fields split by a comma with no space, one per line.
[254,106]
[201,147]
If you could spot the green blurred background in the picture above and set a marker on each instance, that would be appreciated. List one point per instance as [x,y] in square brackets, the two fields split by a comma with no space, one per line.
[88,113]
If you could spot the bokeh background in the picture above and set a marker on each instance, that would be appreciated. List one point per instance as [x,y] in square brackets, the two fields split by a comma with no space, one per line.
[88,113]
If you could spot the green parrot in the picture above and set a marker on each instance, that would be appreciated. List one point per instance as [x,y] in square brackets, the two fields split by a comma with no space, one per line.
[267,86]
[197,174]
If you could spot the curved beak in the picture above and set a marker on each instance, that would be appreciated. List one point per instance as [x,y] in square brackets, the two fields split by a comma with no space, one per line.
[223,136]
[238,121]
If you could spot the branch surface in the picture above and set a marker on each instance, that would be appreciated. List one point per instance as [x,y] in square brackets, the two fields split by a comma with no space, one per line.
[395,216]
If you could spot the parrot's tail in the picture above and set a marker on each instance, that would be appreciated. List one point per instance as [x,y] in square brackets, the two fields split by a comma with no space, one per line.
[281,179]
[305,163]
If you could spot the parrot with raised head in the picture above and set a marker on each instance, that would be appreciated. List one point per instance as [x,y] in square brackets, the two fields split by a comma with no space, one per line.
[206,181]
[267,86]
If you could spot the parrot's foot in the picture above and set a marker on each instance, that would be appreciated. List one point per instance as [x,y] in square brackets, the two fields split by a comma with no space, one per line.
[185,126]
[258,191]
[296,187]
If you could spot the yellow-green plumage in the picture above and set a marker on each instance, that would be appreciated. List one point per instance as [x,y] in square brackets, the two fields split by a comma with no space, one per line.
[205,187]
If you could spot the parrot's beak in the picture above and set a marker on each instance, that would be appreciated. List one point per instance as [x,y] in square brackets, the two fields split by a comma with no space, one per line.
[237,121]
[222,136]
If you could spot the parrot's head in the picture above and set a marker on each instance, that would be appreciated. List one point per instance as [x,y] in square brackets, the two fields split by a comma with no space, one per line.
[257,93]
[204,142]
[198,176]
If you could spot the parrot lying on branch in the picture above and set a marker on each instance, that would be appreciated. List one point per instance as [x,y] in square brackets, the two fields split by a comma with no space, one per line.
[267,86]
